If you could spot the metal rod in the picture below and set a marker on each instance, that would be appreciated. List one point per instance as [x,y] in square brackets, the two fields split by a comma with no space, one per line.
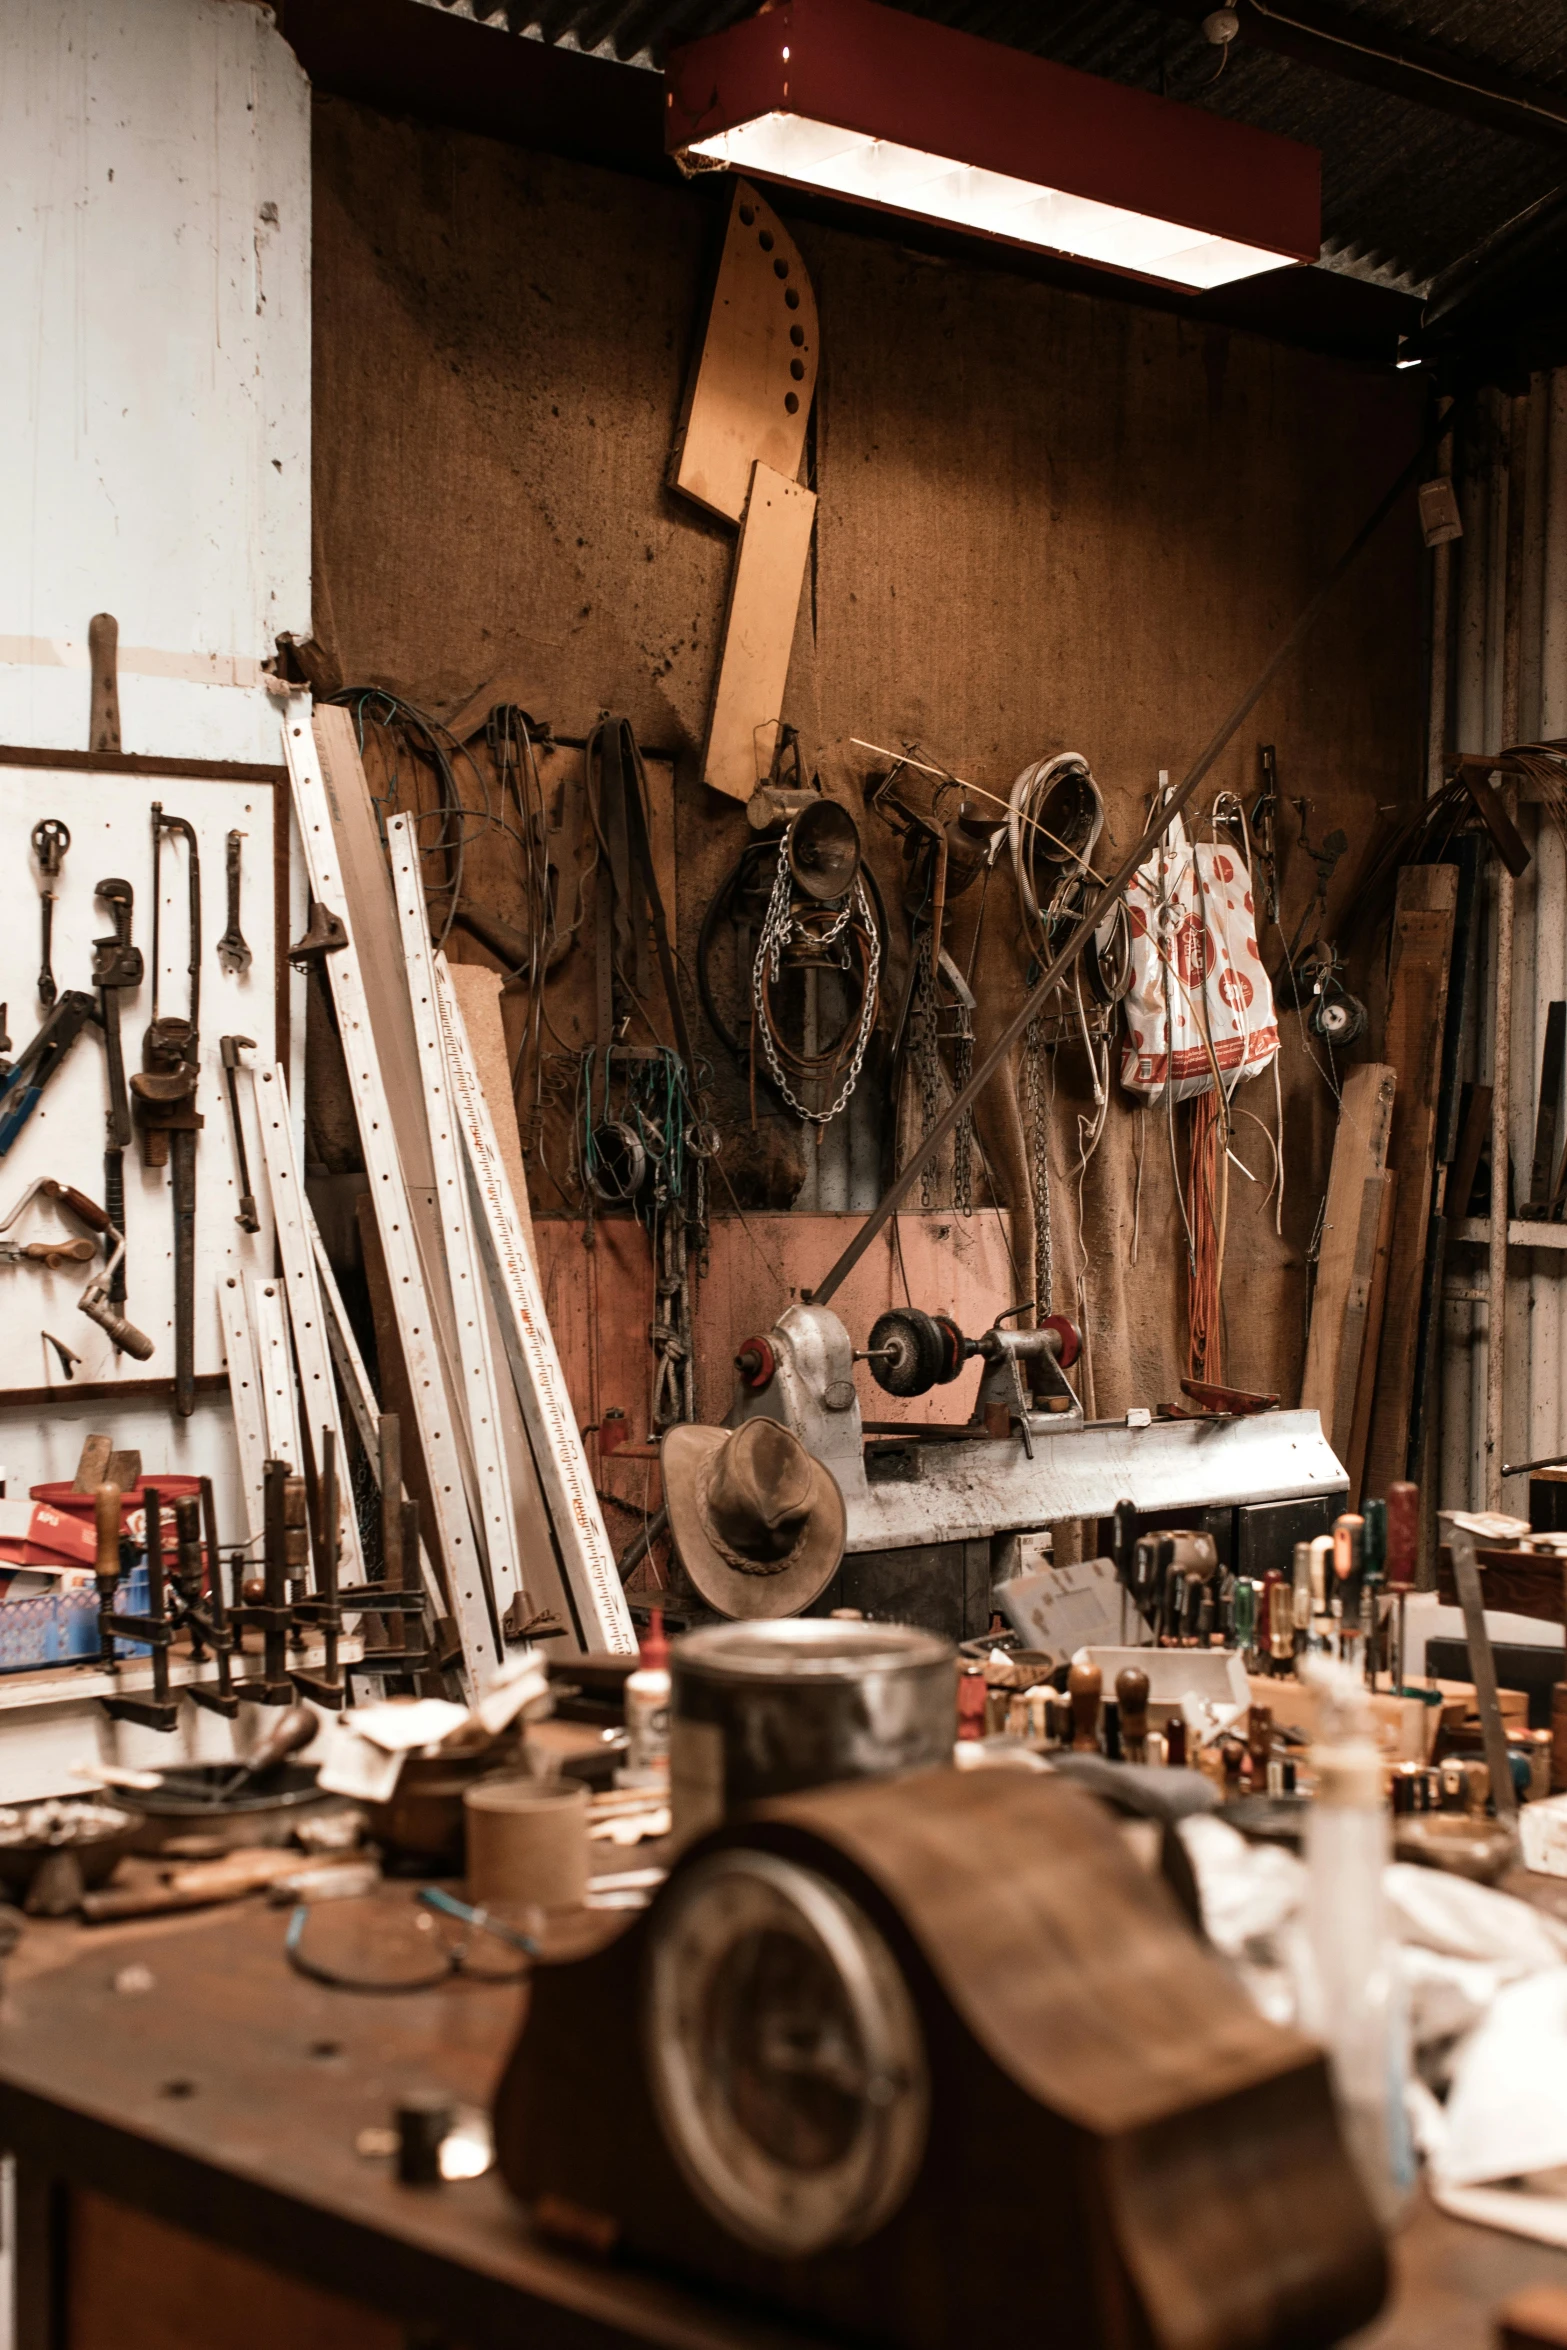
[1158,825]
[1502,1061]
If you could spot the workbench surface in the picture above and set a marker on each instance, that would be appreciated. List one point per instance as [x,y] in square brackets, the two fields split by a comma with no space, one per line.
[226,2094]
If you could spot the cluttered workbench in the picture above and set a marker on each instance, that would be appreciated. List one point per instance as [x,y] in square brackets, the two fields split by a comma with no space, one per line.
[158,2078]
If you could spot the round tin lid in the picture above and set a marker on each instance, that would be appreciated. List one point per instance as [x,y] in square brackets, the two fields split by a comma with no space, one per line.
[815,1648]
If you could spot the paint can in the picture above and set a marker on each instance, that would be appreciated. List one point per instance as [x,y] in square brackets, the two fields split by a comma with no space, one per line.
[762,1709]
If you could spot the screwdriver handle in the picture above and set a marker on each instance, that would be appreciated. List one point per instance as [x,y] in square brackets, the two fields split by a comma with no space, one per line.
[106,1516]
[1085,1685]
[1403,1534]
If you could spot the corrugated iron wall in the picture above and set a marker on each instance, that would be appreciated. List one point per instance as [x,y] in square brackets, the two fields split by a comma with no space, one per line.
[1499,675]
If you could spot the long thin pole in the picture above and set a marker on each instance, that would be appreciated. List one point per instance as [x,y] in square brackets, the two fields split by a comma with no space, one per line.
[1511,474]
[1158,825]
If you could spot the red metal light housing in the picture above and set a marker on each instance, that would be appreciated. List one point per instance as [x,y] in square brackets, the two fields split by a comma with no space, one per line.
[866,103]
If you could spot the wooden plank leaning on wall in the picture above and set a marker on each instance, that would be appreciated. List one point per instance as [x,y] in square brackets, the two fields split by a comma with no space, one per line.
[1420,957]
[1346,1256]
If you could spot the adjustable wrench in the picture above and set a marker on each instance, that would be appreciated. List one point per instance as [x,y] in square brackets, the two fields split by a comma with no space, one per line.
[233,953]
[51,839]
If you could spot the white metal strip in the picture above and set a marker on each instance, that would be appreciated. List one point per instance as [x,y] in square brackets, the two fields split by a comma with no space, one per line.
[250,1434]
[317,1392]
[588,1560]
[421,1352]
[275,1366]
[353,1378]
[464,1267]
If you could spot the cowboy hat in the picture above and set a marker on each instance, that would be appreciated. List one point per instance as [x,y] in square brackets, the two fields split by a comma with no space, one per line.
[759,1525]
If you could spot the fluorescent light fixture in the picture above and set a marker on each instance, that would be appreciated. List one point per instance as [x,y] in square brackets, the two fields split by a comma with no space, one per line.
[863,102]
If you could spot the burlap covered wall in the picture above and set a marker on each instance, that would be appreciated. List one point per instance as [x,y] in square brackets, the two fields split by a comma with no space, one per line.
[1045,521]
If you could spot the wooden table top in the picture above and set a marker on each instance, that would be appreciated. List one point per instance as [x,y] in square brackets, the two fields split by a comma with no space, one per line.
[226,2095]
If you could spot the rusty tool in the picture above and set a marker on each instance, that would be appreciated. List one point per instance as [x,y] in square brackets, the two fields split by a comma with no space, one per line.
[231,1047]
[69,1358]
[233,954]
[51,839]
[165,1091]
[117,969]
[201,1612]
[270,1614]
[55,1252]
[323,1611]
[153,1631]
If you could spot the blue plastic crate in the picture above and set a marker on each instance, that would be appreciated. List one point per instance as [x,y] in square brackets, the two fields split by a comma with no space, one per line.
[61,1627]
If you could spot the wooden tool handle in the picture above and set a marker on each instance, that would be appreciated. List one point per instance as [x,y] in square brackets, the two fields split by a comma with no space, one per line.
[106,1515]
[1403,1534]
[1347,1533]
[293,1729]
[103,650]
[1131,1695]
[95,1218]
[1084,1685]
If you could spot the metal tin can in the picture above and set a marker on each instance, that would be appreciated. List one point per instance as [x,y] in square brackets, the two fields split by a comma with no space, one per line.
[763,1709]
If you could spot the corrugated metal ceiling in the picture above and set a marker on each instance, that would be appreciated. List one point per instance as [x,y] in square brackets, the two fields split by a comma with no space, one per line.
[1408,189]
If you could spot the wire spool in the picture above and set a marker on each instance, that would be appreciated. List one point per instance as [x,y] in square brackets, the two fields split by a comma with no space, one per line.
[1337,1017]
[619,1162]
[910,1351]
[824,851]
[1054,818]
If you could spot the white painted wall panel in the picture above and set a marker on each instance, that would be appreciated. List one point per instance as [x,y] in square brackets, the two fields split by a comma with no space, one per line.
[155,393]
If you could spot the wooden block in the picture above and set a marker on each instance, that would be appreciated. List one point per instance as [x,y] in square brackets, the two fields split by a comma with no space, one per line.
[1346,1256]
[753,669]
[1421,955]
[478,993]
[749,393]
[1365,1386]
[124,1470]
[93,1460]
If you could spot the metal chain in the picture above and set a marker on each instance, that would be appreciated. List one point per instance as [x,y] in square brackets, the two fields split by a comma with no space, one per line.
[927,1062]
[1038,1143]
[780,928]
[963,1132]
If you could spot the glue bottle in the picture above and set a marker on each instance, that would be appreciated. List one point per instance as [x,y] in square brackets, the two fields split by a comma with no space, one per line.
[1351,1992]
[647,1711]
